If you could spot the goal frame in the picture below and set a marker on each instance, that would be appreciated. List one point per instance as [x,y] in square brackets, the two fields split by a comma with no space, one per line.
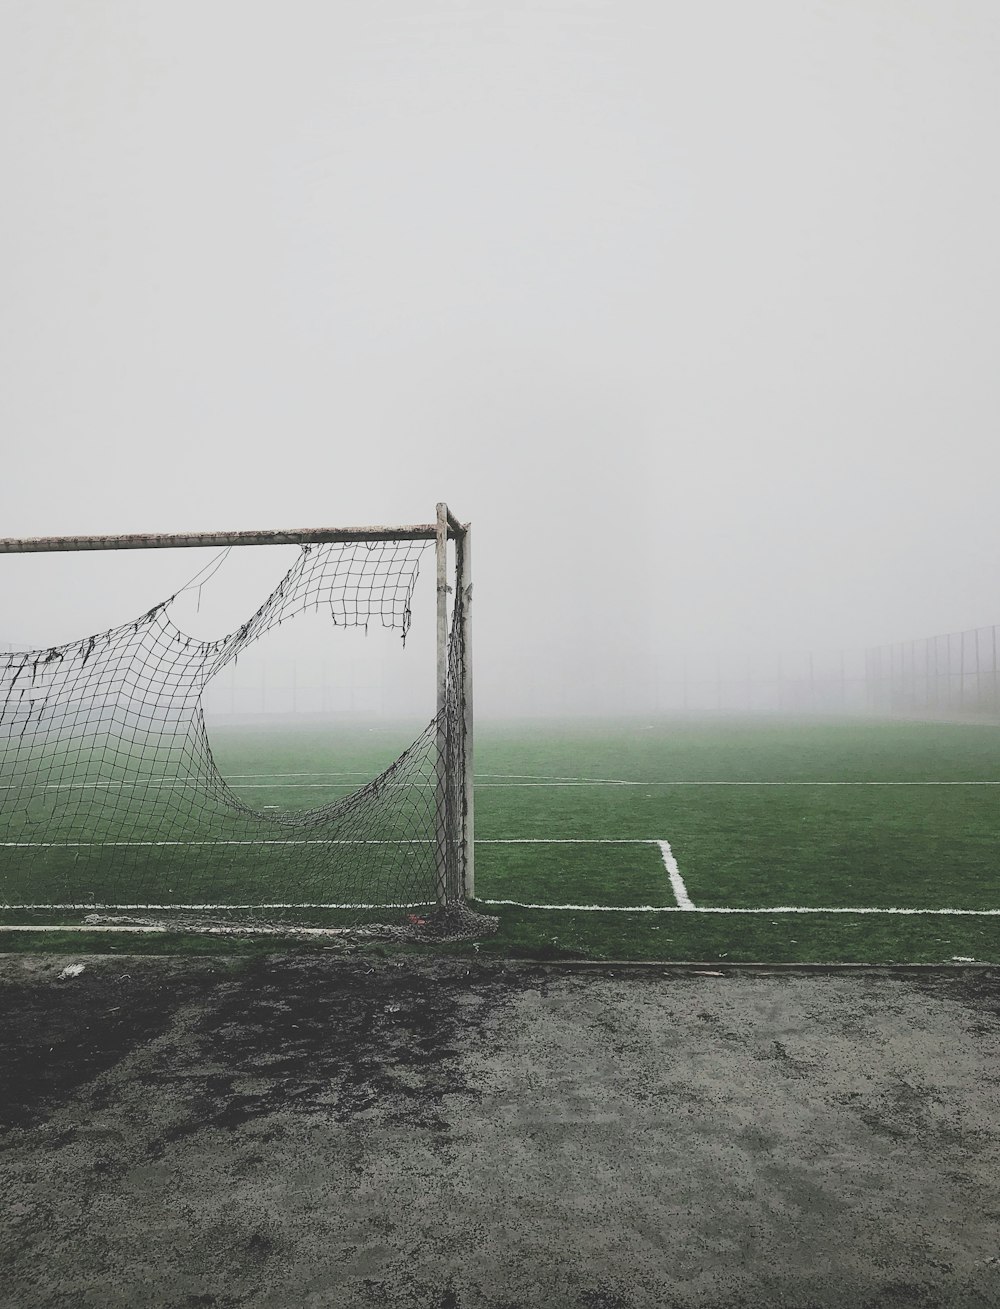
[455,804]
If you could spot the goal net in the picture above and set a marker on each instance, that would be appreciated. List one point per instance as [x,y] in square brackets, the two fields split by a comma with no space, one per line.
[113,806]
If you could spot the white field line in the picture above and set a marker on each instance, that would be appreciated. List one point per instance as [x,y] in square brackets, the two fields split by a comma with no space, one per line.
[684,903]
[159,784]
[674,873]
[344,772]
[108,845]
[258,781]
[527,840]
[497,780]
[520,779]
[707,781]
[517,904]
[77,927]
[414,904]
[165,784]
[257,930]
[724,909]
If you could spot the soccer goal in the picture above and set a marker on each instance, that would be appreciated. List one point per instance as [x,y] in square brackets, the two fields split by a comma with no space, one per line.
[113,804]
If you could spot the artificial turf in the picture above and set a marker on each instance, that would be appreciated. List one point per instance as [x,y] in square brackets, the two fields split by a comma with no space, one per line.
[763,844]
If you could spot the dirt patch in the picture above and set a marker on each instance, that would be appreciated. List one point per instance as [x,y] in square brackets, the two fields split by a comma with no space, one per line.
[302,1038]
[58,1032]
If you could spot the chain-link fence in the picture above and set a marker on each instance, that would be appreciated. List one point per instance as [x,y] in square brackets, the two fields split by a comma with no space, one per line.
[739,683]
[957,674]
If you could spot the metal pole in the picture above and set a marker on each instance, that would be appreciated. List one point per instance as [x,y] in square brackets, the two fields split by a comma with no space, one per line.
[441,791]
[463,582]
[893,698]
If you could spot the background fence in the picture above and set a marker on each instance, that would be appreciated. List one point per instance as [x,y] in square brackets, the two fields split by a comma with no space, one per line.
[957,674]
[738,683]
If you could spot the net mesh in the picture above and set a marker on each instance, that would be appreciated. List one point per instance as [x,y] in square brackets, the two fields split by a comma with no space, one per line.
[111,800]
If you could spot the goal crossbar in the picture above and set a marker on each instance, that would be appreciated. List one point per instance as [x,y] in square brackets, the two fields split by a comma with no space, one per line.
[180,540]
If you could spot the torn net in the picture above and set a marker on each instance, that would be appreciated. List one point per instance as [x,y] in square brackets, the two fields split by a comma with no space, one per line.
[110,798]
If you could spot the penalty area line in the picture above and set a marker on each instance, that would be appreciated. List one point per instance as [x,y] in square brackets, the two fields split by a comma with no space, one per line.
[674,873]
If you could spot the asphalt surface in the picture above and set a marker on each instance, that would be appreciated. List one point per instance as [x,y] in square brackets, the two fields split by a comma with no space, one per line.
[313,1131]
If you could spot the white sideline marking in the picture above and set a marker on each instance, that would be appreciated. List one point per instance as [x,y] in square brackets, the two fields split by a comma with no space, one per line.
[292,929]
[517,904]
[77,927]
[722,909]
[547,777]
[344,772]
[611,782]
[495,779]
[108,845]
[165,784]
[800,909]
[414,904]
[676,881]
[498,780]
[542,786]
[528,840]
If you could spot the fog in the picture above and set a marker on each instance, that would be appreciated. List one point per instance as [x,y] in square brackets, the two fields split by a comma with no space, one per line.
[690,308]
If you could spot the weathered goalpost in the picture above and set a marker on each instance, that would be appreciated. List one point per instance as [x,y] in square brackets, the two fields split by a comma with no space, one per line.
[110,799]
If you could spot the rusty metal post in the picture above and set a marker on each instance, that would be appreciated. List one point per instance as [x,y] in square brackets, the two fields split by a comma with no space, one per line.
[441,791]
[463,586]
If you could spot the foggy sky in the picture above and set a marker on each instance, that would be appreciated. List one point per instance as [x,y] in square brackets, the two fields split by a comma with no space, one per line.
[692,308]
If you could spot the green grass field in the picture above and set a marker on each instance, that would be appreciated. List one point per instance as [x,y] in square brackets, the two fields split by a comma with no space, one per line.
[722,841]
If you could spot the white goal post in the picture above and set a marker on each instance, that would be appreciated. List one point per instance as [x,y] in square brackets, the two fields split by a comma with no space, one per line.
[451,733]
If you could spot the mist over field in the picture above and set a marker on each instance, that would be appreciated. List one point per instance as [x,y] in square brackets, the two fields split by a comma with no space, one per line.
[691,309]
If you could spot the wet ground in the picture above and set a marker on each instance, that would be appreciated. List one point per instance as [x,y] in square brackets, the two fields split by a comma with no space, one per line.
[313,1131]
